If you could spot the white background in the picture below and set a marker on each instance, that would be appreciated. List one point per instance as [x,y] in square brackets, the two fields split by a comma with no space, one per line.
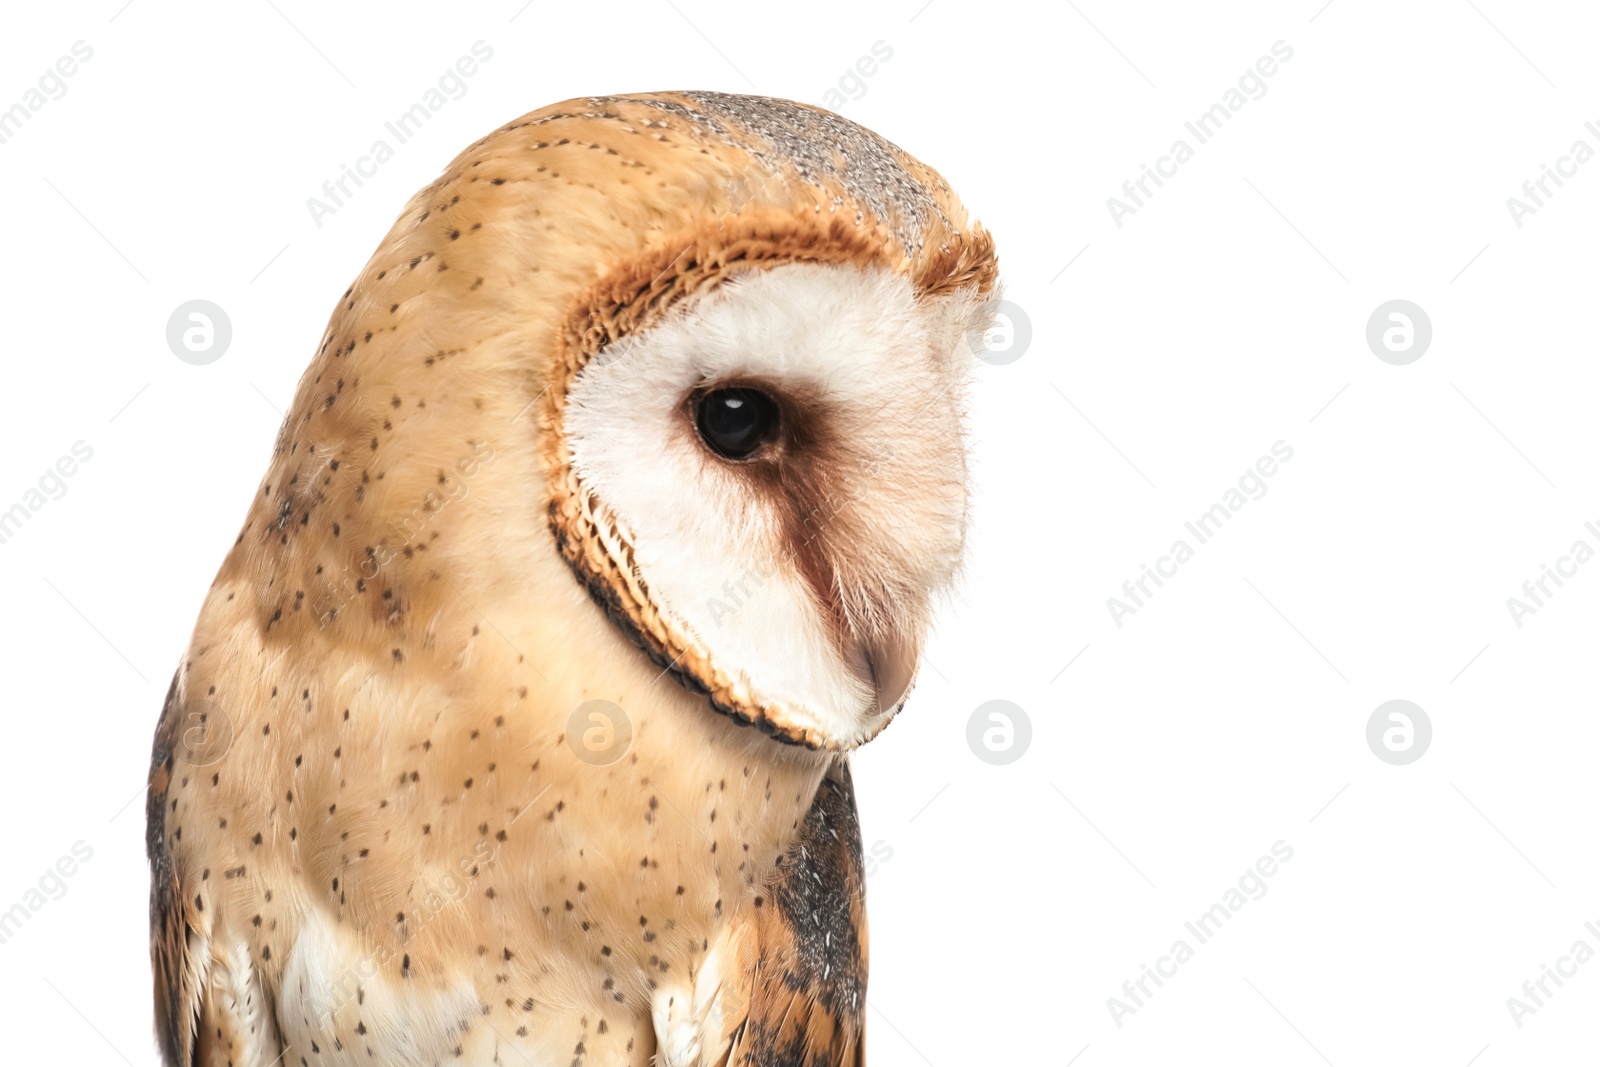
[1227,314]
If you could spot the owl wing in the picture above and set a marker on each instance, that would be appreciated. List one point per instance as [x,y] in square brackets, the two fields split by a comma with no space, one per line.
[177,983]
[210,1007]
[801,963]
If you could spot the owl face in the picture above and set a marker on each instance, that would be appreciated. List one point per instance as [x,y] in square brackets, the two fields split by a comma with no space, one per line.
[775,473]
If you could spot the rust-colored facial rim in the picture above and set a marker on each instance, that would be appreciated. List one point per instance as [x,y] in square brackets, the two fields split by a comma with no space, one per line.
[631,298]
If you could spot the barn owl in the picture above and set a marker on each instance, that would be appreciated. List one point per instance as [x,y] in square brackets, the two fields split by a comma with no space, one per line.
[604,524]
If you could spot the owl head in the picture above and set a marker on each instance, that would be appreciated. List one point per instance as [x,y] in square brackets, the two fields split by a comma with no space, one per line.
[740,329]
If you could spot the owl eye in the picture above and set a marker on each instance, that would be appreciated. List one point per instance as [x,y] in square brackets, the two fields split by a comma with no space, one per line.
[736,422]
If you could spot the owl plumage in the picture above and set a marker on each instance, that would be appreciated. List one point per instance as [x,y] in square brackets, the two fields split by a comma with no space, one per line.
[517,484]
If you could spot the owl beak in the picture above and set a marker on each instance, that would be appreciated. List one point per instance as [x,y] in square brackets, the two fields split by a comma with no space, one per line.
[892,665]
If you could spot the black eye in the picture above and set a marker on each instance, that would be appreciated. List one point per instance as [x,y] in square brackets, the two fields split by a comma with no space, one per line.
[736,422]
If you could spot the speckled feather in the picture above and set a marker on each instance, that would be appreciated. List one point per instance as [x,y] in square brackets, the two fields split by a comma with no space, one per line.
[370,840]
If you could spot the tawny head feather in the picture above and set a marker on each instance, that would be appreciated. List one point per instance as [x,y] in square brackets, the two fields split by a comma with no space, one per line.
[553,309]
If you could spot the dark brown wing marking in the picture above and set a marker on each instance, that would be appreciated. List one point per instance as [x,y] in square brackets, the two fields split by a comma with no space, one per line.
[809,990]
[176,998]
